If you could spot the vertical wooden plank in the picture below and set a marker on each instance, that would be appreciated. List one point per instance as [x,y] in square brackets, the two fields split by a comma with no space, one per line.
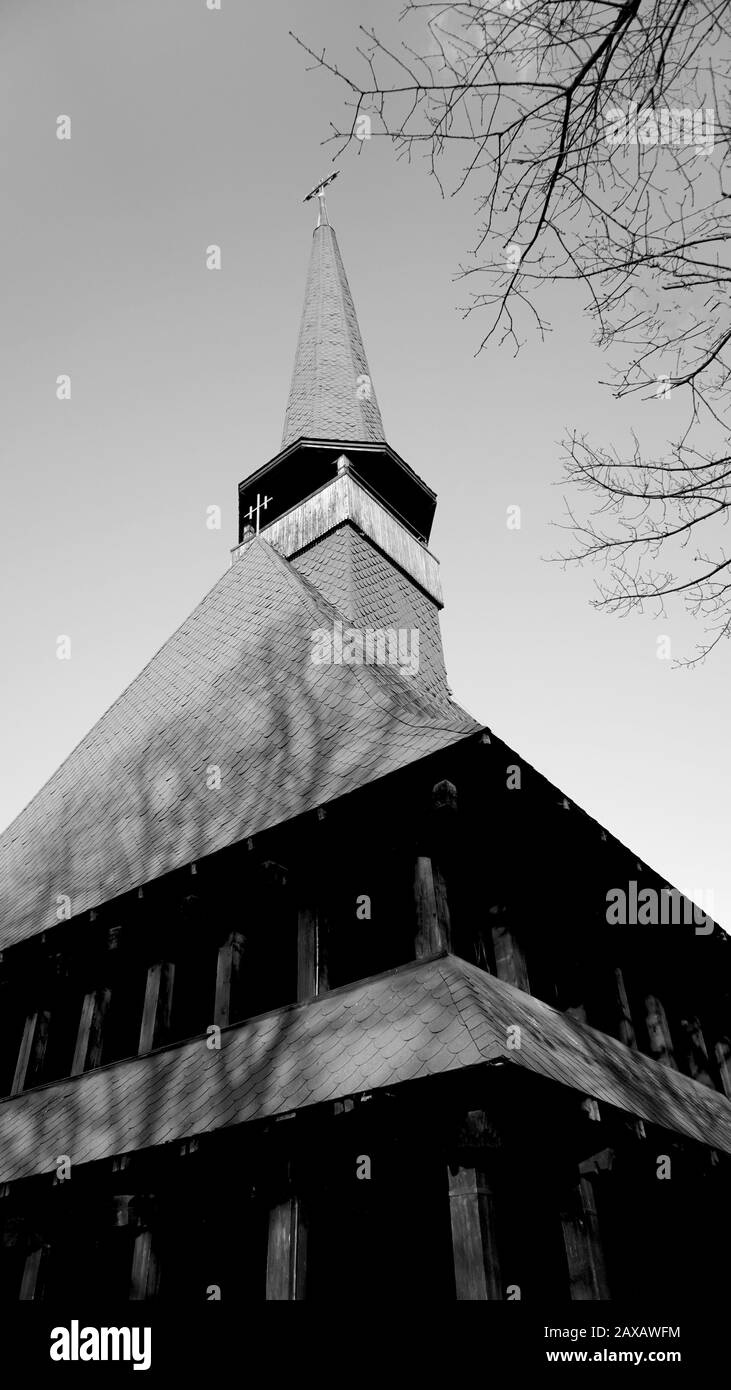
[444,920]
[472,1210]
[509,959]
[149,1012]
[40,1043]
[24,1054]
[164,1002]
[593,1235]
[432,912]
[581,1281]
[95,1006]
[696,1052]
[299,1252]
[82,1037]
[228,971]
[658,1032]
[323,967]
[312,963]
[723,1061]
[278,1257]
[96,1032]
[145,1269]
[224,972]
[307,973]
[474,1236]
[29,1067]
[433,920]
[625,1026]
[31,1282]
[286,1252]
[158,1005]
[582,1240]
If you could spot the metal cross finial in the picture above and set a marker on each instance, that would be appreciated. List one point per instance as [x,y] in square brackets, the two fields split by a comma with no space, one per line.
[319,190]
[257,509]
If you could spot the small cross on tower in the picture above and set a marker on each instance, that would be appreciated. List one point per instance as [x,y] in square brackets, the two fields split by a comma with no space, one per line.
[258,509]
[319,192]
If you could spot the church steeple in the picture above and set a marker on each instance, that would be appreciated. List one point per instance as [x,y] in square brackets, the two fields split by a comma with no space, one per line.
[332,419]
[337,501]
[331,395]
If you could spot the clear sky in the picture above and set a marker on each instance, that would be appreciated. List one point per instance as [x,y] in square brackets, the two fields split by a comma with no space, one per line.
[191,127]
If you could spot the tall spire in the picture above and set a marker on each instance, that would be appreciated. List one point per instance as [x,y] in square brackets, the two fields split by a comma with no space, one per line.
[331,395]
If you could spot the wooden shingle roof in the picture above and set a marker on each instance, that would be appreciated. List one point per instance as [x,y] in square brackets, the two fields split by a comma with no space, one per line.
[372,592]
[233,689]
[434,1016]
[331,395]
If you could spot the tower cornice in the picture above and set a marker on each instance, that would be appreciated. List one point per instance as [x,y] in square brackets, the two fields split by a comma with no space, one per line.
[347,499]
[306,465]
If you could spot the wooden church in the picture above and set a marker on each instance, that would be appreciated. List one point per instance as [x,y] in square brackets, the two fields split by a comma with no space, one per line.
[309,987]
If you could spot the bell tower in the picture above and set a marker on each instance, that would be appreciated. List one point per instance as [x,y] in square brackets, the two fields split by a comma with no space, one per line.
[337,501]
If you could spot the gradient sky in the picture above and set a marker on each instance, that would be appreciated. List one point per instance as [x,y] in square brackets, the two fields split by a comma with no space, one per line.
[192,127]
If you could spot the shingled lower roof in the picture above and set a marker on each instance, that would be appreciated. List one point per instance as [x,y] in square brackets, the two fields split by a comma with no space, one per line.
[354,575]
[434,1016]
[235,689]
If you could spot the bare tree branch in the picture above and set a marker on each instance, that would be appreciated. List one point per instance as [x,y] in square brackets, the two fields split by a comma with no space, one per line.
[590,133]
